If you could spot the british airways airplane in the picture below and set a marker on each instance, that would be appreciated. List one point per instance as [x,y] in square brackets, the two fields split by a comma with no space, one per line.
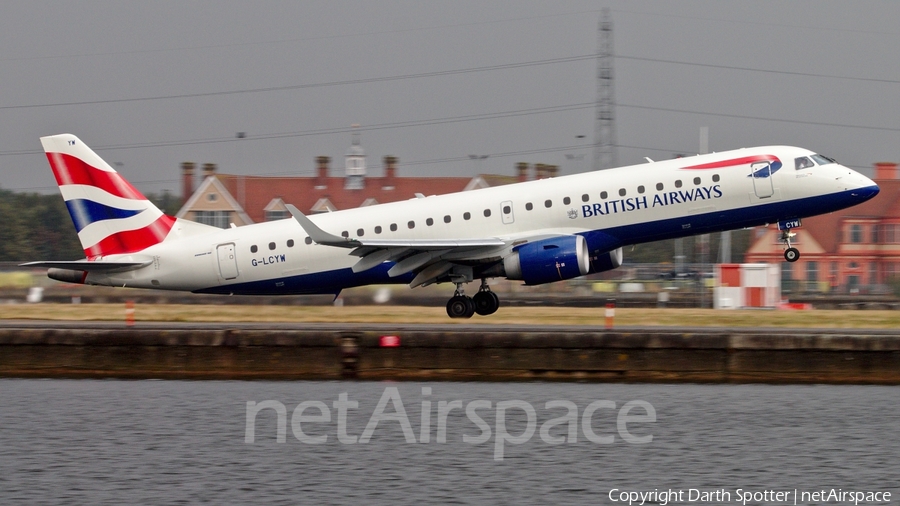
[536,231]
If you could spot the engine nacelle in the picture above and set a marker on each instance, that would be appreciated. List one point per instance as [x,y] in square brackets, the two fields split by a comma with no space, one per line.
[549,260]
[607,261]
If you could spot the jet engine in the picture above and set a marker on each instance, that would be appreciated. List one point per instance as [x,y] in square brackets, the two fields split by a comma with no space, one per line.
[549,260]
[606,261]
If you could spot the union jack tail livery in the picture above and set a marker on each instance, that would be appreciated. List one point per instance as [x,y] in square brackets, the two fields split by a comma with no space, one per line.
[110,215]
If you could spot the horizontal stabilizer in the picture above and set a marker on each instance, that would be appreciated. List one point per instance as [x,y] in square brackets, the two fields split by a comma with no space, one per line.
[86,266]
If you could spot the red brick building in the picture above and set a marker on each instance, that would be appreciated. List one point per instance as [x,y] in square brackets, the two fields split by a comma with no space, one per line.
[223,199]
[855,249]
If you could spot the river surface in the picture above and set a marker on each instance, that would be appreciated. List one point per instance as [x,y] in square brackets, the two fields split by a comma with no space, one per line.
[218,442]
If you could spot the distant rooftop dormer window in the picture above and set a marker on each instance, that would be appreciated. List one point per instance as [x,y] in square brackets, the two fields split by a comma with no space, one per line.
[276,215]
[218,219]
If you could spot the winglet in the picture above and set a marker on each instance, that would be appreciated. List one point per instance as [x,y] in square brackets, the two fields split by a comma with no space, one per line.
[318,235]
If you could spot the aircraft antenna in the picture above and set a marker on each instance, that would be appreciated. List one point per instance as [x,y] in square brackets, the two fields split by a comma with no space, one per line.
[604,128]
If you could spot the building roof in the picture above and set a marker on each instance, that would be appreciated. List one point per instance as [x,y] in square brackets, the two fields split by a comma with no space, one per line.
[254,193]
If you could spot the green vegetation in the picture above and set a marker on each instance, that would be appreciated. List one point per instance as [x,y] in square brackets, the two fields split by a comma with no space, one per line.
[38,227]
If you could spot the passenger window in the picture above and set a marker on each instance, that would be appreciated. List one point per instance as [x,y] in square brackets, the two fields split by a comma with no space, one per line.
[466,215]
[253,249]
[567,201]
[487,213]
[393,227]
[697,181]
[428,222]
[308,240]
[345,234]
[360,232]
[290,243]
[548,203]
[271,245]
[659,187]
[715,178]
[585,197]
[507,209]
[603,195]
[677,183]
[622,192]
[529,206]
[411,225]
[803,163]
[447,219]
[378,229]
[641,189]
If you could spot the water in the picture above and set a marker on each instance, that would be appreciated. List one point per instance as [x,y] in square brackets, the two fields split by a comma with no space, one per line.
[183,442]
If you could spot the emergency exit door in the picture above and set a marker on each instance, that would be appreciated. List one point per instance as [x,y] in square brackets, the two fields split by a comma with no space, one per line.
[227,262]
[761,174]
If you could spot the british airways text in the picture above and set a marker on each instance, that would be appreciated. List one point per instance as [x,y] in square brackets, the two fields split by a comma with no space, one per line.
[660,199]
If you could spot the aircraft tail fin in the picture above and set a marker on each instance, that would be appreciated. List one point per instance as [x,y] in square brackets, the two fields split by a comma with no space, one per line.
[110,215]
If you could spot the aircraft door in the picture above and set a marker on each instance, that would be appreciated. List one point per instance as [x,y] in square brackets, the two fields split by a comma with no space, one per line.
[228,268]
[506,212]
[761,174]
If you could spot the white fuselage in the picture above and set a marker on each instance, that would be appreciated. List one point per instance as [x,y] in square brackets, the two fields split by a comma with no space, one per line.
[610,208]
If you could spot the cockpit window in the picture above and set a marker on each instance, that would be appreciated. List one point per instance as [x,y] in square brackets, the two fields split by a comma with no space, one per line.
[803,162]
[822,160]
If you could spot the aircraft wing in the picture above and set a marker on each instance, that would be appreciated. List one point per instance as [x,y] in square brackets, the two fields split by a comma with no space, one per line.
[429,258]
[87,266]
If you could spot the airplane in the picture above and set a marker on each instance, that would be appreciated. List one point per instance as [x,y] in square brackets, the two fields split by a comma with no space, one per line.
[536,231]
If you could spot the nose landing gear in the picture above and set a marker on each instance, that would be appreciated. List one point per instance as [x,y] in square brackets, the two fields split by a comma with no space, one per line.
[791,254]
[484,302]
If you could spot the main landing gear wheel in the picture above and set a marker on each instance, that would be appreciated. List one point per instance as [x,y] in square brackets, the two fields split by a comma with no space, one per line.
[486,302]
[460,306]
[791,254]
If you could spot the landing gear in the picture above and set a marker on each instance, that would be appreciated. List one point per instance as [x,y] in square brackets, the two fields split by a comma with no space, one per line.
[484,302]
[791,254]
[460,306]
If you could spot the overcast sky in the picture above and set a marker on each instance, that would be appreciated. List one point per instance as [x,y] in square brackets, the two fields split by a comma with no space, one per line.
[151,84]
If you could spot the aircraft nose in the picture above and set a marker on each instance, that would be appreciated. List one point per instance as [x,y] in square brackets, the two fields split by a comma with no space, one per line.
[865,188]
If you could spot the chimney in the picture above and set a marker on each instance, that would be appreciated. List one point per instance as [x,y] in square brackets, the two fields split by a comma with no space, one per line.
[187,181]
[522,171]
[208,169]
[322,172]
[390,172]
[885,170]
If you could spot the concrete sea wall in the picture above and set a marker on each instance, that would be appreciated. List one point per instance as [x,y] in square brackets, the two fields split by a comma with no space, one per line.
[447,353]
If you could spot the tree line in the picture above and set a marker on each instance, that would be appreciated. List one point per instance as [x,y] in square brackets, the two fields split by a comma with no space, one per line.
[35,226]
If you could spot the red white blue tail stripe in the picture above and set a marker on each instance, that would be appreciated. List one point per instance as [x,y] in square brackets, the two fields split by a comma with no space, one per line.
[111,216]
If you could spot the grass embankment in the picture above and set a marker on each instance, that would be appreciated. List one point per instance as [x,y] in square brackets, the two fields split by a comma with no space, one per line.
[407,314]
